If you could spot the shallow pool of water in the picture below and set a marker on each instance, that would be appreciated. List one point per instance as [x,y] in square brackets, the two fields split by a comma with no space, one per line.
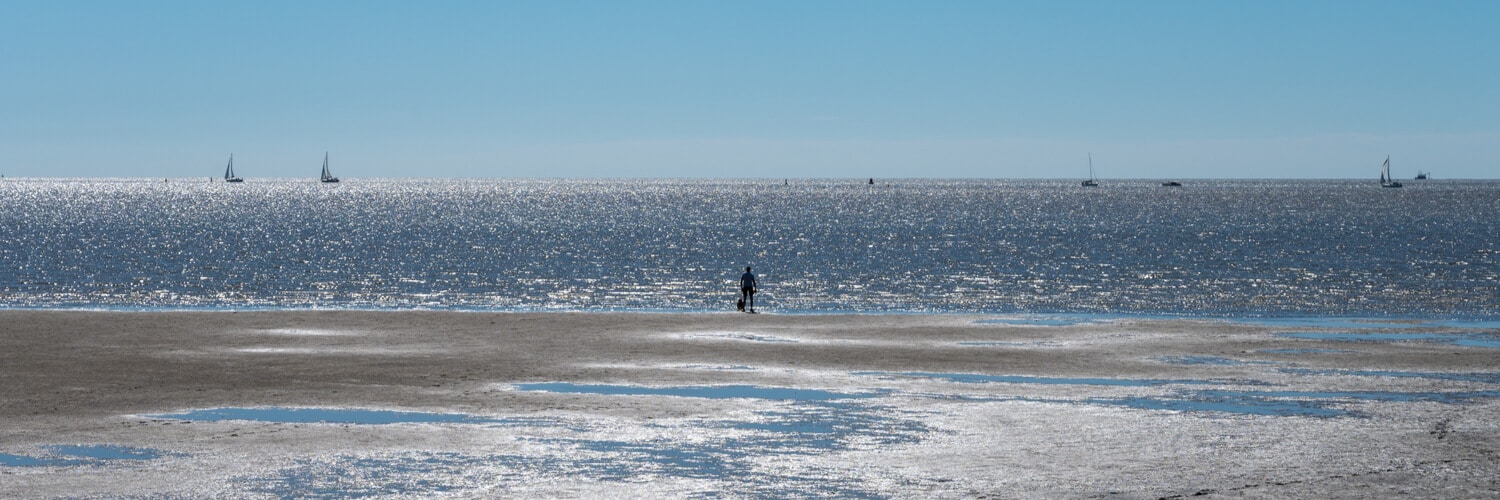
[1468,340]
[1362,323]
[1041,320]
[740,455]
[1236,404]
[707,391]
[1305,351]
[1208,360]
[1286,403]
[63,455]
[9,460]
[339,416]
[975,378]
[1485,377]
[1478,341]
[741,336]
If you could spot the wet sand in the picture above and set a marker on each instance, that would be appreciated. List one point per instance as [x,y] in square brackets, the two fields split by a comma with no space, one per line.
[925,406]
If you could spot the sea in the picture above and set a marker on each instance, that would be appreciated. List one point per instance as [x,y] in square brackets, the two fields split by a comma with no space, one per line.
[1210,248]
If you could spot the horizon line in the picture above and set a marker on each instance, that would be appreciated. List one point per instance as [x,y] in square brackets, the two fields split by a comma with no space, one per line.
[217,179]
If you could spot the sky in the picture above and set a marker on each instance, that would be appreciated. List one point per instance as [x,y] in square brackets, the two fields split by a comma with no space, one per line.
[759,89]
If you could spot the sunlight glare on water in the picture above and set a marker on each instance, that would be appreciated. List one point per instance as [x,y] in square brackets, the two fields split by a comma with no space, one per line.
[1040,246]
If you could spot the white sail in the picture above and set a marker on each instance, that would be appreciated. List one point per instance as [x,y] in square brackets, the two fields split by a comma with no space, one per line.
[229,170]
[327,177]
[1092,181]
[1385,175]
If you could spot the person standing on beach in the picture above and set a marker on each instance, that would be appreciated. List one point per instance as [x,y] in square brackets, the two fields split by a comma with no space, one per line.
[747,291]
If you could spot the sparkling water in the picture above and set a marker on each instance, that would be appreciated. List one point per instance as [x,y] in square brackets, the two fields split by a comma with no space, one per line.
[1210,248]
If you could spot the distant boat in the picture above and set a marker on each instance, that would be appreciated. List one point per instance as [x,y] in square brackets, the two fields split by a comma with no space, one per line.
[1171,184]
[1422,176]
[229,171]
[1386,181]
[1091,182]
[327,177]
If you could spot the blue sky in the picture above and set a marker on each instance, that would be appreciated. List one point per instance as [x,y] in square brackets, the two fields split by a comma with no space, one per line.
[1154,89]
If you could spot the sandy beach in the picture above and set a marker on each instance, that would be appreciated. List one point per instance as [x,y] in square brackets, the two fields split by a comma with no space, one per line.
[678,405]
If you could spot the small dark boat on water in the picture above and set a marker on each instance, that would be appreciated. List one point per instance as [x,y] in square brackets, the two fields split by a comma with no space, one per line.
[1092,182]
[1171,184]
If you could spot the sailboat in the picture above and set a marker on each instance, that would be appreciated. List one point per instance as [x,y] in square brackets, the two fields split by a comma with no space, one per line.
[1422,176]
[1091,182]
[1386,181]
[327,177]
[229,171]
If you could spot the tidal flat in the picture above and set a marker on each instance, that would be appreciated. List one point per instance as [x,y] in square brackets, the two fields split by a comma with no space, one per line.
[537,405]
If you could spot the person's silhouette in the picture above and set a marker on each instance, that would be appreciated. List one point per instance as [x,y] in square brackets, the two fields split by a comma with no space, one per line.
[747,291]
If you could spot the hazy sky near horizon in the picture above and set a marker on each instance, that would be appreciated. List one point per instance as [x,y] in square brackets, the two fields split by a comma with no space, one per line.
[858,88]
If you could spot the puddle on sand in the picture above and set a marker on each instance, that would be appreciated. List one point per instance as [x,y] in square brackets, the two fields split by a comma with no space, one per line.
[1305,351]
[747,337]
[1485,377]
[1478,341]
[986,343]
[340,416]
[9,460]
[973,378]
[1208,360]
[1468,340]
[1040,321]
[106,452]
[1270,403]
[707,392]
[1378,396]
[719,367]
[1243,404]
[305,332]
[746,462]
[414,474]
[719,465]
[68,455]
[1352,323]
[1360,323]
[1286,403]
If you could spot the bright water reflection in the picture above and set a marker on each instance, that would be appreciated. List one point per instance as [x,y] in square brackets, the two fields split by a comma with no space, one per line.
[78,454]
[972,378]
[1222,248]
[710,392]
[738,455]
